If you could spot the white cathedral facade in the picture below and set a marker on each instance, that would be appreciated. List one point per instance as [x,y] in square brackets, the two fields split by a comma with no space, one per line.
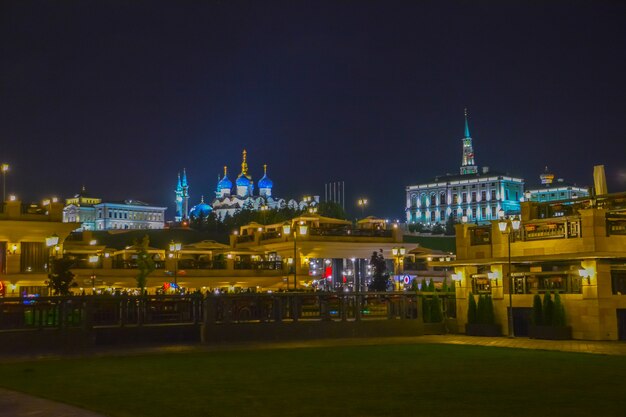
[230,199]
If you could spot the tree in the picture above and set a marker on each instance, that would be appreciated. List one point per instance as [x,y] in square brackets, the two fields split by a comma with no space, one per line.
[61,277]
[379,272]
[450,231]
[145,263]
[331,209]
[438,229]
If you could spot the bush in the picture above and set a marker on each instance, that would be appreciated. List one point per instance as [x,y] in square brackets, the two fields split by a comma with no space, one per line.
[548,309]
[431,285]
[558,315]
[481,310]
[436,313]
[537,317]
[471,309]
[426,310]
[423,286]
[489,315]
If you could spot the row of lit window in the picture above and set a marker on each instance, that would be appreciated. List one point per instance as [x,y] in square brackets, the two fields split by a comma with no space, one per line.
[470,213]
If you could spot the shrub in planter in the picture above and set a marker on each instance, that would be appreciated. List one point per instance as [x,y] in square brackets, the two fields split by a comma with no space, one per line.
[431,285]
[548,308]
[436,313]
[471,309]
[537,317]
[423,286]
[483,323]
[489,315]
[552,324]
[481,310]
[558,315]
[426,310]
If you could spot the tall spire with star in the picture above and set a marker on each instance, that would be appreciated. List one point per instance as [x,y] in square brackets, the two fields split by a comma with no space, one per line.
[468,166]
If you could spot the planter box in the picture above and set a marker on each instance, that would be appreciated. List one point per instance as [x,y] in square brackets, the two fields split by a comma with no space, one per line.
[550,332]
[483,329]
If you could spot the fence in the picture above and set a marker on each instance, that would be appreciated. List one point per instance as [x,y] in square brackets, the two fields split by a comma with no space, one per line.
[89,312]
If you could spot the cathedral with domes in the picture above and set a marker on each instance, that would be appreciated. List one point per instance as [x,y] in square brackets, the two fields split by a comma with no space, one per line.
[230,199]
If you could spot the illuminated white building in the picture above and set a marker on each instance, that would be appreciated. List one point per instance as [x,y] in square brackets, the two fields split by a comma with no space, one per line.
[93,214]
[479,195]
[550,190]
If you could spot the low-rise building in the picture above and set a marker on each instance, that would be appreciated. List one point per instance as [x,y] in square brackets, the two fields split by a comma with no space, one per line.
[31,236]
[578,250]
[94,214]
[551,190]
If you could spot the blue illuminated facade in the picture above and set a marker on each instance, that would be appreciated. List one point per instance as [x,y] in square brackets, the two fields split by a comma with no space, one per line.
[479,196]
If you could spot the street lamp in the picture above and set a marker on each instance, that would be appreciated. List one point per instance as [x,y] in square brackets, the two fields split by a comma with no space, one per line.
[398,254]
[51,241]
[175,250]
[93,260]
[362,202]
[303,229]
[507,227]
[5,169]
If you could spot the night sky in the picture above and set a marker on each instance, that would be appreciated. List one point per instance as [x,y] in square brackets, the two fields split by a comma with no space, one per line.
[119,96]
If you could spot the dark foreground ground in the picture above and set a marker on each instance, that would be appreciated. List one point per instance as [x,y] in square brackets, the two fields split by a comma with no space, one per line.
[405,377]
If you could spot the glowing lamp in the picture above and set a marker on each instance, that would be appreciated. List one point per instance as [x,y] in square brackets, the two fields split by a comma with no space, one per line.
[175,246]
[456,277]
[303,229]
[464,219]
[93,259]
[93,242]
[5,168]
[502,224]
[52,240]
[286,229]
[12,197]
[402,251]
[394,251]
[516,222]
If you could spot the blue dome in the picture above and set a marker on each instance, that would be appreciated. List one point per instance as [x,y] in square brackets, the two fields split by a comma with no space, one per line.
[265,182]
[202,209]
[243,181]
[224,184]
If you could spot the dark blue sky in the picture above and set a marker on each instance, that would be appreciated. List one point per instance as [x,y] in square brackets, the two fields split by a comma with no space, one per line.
[121,95]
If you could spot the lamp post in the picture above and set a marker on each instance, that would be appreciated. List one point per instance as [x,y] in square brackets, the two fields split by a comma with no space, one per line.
[5,169]
[93,260]
[398,254]
[362,202]
[507,227]
[175,250]
[303,229]
[51,241]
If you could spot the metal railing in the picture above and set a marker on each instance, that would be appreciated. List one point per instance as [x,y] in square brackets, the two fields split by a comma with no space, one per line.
[119,310]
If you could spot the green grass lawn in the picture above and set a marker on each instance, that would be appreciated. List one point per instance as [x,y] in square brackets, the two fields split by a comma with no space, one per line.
[393,380]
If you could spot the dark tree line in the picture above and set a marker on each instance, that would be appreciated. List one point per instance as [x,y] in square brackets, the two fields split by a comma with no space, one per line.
[212,223]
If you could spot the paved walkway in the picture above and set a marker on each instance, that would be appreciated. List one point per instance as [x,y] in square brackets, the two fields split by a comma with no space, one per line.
[15,404]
